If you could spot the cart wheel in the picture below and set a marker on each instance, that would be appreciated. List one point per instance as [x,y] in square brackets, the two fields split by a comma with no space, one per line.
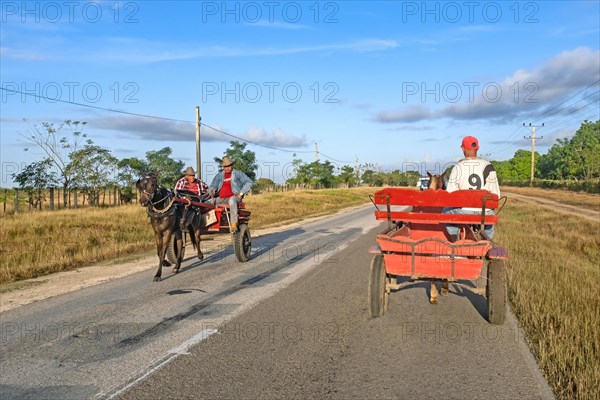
[378,298]
[496,291]
[172,249]
[242,243]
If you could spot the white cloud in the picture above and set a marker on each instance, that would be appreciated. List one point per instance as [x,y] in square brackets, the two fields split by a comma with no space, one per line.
[140,51]
[523,92]
[174,131]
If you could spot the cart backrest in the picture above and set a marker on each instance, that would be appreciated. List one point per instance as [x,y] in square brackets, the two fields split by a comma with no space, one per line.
[427,205]
[436,198]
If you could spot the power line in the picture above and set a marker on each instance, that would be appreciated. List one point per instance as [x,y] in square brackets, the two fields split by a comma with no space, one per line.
[91,106]
[154,117]
[254,143]
[506,146]
[563,102]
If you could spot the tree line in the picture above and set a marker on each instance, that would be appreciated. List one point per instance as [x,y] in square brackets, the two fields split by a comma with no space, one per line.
[74,162]
[572,159]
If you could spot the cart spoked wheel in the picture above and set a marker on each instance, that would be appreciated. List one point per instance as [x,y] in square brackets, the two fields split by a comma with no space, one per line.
[496,291]
[242,243]
[378,297]
[172,249]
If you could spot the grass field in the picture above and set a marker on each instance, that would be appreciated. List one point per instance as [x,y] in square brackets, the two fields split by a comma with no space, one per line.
[578,199]
[553,276]
[37,243]
[553,290]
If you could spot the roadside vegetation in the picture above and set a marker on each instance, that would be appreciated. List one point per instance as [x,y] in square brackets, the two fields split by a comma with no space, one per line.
[553,283]
[36,244]
[577,199]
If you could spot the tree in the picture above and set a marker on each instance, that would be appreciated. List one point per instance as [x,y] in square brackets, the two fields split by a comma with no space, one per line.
[261,184]
[168,170]
[34,178]
[517,168]
[130,169]
[245,160]
[347,176]
[94,168]
[315,174]
[58,146]
[585,146]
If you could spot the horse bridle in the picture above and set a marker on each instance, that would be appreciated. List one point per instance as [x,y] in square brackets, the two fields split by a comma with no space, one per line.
[150,196]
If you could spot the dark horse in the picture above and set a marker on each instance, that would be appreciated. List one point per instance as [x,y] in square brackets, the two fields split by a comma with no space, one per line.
[159,203]
[437,182]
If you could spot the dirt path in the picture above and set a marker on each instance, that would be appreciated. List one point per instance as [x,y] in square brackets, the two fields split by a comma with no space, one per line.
[556,206]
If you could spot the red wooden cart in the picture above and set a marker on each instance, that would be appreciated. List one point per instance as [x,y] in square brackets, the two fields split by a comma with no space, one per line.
[416,245]
[216,220]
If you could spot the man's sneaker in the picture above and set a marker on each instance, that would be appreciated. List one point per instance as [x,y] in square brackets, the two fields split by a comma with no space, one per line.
[234,226]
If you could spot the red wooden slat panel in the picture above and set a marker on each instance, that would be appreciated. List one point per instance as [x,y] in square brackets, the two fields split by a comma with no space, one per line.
[433,267]
[436,198]
[430,218]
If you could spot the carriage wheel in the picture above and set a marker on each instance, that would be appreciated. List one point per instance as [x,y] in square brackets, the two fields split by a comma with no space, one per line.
[242,243]
[378,298]
[496,291]
[172,249]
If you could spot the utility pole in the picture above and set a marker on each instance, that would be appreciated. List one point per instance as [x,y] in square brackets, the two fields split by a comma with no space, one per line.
[532,137]
[198,158]
[356,173]
[316,152]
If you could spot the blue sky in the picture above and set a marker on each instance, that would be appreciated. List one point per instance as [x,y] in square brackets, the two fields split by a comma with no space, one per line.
[392,84]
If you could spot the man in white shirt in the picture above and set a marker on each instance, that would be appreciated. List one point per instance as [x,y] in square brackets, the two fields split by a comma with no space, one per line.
[473,173]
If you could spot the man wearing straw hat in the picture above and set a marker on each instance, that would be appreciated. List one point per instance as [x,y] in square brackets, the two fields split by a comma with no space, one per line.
[193,188]
[229,187]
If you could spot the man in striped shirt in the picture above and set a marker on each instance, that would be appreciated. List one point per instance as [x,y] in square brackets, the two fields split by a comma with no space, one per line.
[193,188]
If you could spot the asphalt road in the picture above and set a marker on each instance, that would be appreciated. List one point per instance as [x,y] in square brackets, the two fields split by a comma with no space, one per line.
[291,323]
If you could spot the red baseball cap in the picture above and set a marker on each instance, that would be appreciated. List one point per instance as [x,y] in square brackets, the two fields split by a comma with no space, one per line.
[470,142]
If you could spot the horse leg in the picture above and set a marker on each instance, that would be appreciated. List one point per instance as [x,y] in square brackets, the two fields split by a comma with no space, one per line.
[444,287]
[165,238]
[178,251]
[195,230]
[161,256]
[198,249]
[433,299]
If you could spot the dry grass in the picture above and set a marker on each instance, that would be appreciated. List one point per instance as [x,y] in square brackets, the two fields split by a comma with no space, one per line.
[35,244]
[272,209]
[580,199]
[553,289]
[39,243]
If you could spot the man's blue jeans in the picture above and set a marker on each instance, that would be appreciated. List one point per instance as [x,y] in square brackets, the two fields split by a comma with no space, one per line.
[233,205]
[453,229]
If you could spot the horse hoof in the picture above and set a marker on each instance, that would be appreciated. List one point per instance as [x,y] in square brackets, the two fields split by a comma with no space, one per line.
[433,301]
[157,279]
[200,257]
[175,270]
[444,292]
[166,263]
